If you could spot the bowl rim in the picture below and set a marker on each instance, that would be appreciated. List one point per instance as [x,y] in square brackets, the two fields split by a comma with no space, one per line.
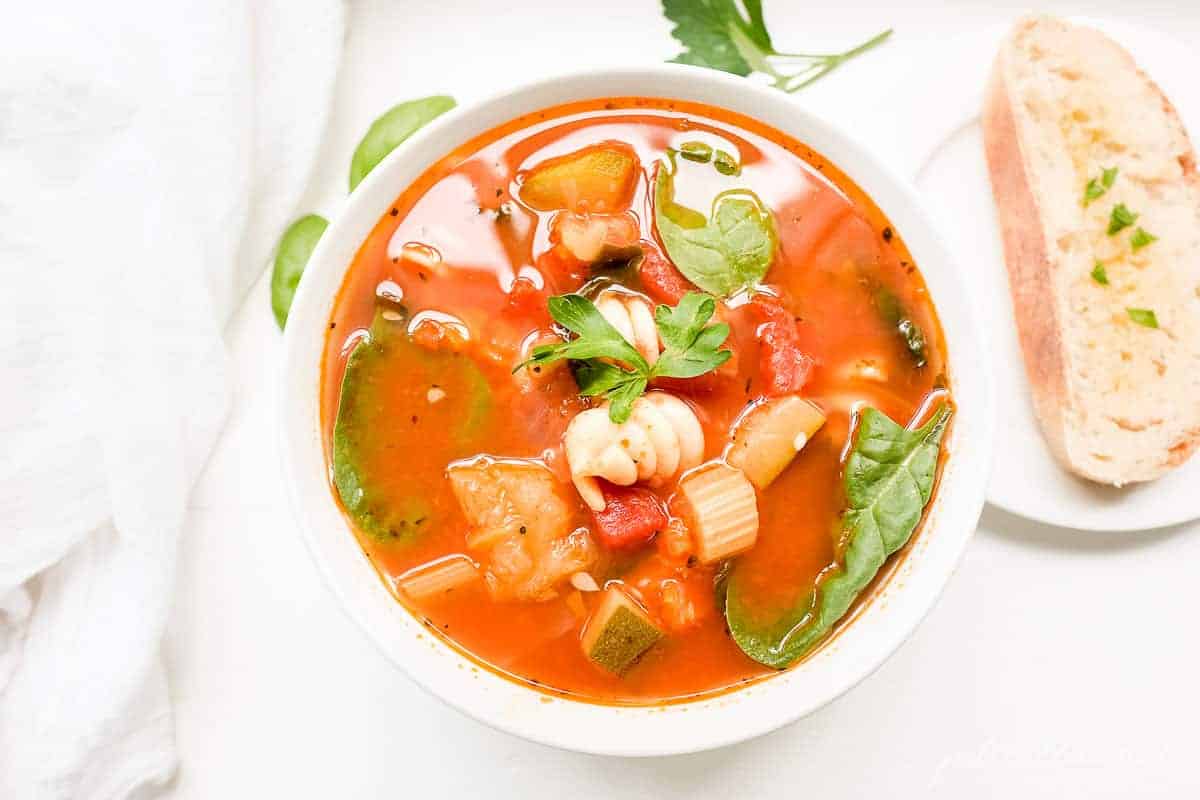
[877,630]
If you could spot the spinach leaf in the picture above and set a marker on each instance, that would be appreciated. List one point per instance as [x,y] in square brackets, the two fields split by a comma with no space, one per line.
[888,480]
[361,442]
[716,34]
[895,314]
[389,130]
[729,251]
[295,247]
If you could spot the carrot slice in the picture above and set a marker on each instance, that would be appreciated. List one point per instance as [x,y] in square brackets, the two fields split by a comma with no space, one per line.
[599,178]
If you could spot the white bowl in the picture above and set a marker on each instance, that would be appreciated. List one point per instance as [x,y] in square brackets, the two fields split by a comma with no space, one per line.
[886,621]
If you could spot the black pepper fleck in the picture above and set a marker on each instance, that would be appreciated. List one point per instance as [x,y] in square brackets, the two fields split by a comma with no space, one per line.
[887,234]
[395,212]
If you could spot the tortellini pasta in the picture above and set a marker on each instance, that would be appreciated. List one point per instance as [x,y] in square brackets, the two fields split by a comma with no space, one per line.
[661,439]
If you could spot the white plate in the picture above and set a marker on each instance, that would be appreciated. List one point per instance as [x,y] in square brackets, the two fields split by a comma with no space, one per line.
[942,145]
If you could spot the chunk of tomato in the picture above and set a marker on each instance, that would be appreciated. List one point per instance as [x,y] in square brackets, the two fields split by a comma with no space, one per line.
[630,519]
[661,280]
[526,301]
[563,272]
[783,367]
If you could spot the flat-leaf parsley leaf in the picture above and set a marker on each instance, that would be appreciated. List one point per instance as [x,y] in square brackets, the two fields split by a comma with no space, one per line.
[718,35]
[690,348]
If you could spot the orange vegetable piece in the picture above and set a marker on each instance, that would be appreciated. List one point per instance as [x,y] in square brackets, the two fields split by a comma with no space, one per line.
[599,178]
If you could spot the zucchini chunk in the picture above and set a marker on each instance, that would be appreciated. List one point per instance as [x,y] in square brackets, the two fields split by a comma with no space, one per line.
[440,577]
[599,178]
[619,632]
[767,437]
[720,510]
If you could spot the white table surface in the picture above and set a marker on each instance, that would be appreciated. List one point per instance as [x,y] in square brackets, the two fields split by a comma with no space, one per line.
[1057,664]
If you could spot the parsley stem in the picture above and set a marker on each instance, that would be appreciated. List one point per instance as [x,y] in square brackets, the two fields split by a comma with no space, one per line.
[821,64]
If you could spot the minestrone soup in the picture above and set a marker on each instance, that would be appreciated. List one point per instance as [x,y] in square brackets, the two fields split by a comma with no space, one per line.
[634,400]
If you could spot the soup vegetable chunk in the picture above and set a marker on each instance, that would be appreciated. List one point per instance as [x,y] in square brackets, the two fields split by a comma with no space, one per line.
[634,400]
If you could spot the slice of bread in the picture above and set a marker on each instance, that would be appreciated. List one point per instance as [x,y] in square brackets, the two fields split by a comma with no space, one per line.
[1118,401]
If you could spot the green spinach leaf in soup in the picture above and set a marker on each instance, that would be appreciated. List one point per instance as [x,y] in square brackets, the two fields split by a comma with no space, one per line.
[391,129]
[729,250]
[295,248]
[896,315]
[888,481]
[367,437]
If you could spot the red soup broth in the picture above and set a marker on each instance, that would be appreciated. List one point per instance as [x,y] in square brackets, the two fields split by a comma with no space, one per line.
[836,249]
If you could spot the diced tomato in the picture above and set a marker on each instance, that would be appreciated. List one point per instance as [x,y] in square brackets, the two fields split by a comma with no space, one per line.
[783,367]
[526,300]
[563,272]
[675,543]
[661,280]
[701,384]
[678,596]
[436,335]
[630,519]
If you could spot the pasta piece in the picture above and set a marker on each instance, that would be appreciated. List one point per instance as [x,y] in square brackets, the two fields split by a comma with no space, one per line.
[633,318]
[438,578]
[598,238]
[767,437]
[721,511]
[619,632]
[661,438]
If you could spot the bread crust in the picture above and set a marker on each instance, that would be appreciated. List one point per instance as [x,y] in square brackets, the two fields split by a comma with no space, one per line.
[1039,329]
[1036,265]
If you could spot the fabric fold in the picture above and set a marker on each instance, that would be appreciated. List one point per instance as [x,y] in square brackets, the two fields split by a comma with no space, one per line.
[152,154]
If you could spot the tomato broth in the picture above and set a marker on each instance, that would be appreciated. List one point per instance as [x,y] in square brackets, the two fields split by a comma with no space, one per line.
[467,265]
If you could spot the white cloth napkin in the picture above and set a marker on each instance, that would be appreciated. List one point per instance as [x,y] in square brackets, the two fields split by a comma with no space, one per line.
[150,153]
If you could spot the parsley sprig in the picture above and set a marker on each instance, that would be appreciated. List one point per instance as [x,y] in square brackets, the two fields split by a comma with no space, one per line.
[716,34]
[609,366]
